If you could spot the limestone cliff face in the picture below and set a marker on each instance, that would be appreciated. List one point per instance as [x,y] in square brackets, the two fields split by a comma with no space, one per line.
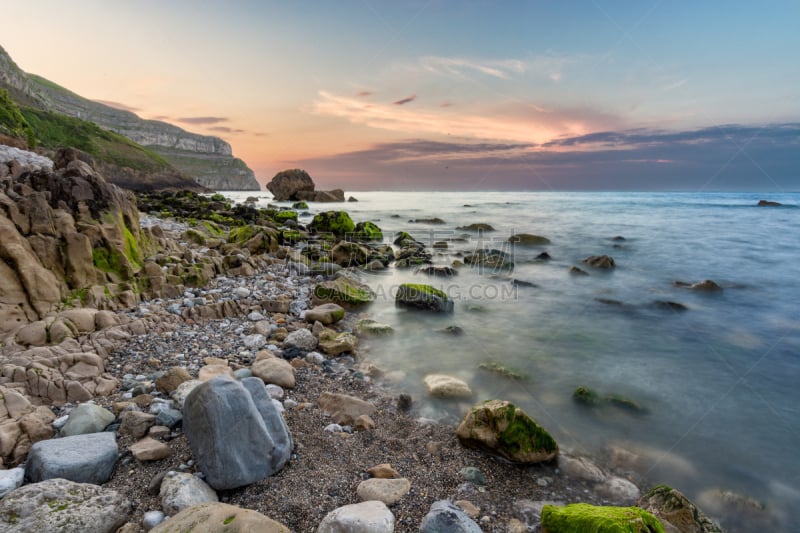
[207,159]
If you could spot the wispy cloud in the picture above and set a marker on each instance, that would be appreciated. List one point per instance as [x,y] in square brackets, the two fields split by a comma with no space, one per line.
[225,129]
[515,122]
[404,101]
[364,94]
[458,66]
[202,120]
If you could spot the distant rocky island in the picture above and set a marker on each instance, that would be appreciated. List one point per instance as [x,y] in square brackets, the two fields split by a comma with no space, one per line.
[207,160]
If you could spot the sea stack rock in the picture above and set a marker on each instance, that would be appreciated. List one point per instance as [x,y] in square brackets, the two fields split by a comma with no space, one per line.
[287,183]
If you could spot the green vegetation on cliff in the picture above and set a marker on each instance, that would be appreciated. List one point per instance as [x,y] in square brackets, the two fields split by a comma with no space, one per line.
[11,120]
[53,130]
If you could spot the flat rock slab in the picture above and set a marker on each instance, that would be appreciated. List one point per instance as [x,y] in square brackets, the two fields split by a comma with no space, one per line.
[364,517]
[388,491]
[64,506]
[220,518]
[86,458]
[87,418]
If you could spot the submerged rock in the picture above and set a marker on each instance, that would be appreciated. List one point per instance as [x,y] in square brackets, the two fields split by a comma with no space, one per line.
[480,226]
[600,261]
[527,239]
[500,428]
[585,517]
[768,203]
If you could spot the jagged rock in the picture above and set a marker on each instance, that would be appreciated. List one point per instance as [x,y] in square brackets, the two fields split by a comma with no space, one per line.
[219,518]
[444,517]
[600,261]
[259,447]
[344,409]
[87,418]
[181,491]
[81,458]
[503,429]
[674,509]
[585,517]
[65,506]
[334,343]
[136,423]
[285,185]
[364,517]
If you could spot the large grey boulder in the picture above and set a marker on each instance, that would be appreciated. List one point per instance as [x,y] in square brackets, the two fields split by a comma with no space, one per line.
[87,418]
[444,517]
[64,506]
[235,432]
[287,183]
[86,458]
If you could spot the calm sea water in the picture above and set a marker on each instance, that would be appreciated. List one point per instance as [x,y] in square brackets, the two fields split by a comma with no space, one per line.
[720,381]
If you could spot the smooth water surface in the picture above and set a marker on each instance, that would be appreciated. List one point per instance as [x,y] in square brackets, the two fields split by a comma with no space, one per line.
[718,381]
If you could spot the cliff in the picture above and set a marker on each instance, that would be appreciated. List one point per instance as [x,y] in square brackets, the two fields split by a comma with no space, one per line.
[207,159]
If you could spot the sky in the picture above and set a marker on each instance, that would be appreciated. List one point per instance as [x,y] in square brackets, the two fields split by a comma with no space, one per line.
[440,94]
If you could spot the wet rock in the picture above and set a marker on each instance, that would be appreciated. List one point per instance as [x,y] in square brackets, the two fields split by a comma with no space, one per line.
[438,271]
[674,509]
[442,386]
[81,458]
[576,271]
[344,291]
[768,203]
[580,468]
[492,260]
[425,297]
[63,505]
[333,343]
[667,305]
[600,261]
[220,518]
[337,223]
[365,517]
[503,429]
[528,239]
[367,327]
[478,226]
[618,490]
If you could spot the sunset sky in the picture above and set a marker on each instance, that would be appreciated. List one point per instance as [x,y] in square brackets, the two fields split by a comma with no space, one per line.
[436,94]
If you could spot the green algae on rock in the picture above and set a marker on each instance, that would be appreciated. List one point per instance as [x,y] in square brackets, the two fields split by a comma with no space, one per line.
[585,518]
[502,429]
[425,297]
[367,231]
[343,291]
[671,506]
[337,222]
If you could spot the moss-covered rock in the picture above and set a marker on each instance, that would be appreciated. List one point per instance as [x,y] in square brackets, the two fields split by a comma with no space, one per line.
[528,239]
[257,239]
[347,254]
[480,226]
[299,205]
[282,216]
[419,296]
[500,428]
[585,518]
[367,231]
[194,236]
[344,291]
[584,395]
[403,239]
[494,260]
[338,223]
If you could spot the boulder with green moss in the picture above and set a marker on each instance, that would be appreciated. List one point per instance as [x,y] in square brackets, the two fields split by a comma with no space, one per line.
[346,253]
[257,239]
[368,231]
[366,327]
[338,223]
[585,518]
[419,296]
[300,205]
[674,509]
[344,291]
[281,217]
[502,429]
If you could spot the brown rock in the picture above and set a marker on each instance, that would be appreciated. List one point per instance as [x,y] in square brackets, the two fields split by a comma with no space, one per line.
[211,371]
[276,371]
[172,379]
[468,507]
[388,491]
[344,409]
[287,183]
[383,471]
[220,518]
[149,449]
[136,423]
[364,423]
[600,261]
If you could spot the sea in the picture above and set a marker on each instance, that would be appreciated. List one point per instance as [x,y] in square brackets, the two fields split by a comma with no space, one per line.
[707,391]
